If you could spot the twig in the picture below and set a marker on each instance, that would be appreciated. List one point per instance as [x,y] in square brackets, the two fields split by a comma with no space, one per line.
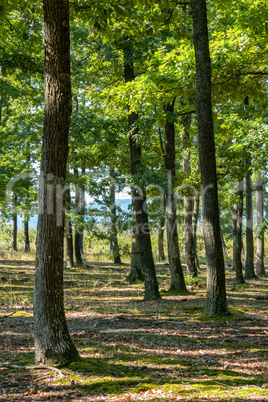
[41,367]
[9,315]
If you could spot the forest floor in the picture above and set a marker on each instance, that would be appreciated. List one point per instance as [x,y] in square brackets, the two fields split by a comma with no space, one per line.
[132,350]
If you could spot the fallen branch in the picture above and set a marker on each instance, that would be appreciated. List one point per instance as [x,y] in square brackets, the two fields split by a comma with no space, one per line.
[6,316]
[41,367]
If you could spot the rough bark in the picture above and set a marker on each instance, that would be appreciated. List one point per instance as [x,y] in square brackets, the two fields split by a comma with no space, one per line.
[188,203]
[77,233]
[260,269]
[136,264]
[195,218]
[176,273]
[69,233]
[249,267]
[26,234]
[139,203]
[113,229]
[216,302]
[53,343]
[237,222]
[14,234]
[161,251]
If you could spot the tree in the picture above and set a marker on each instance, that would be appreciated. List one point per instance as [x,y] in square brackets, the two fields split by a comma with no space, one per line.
[249,267]
[216,302]
[52,339]
[176,273]
[260,269]
[139,200]
[237,232]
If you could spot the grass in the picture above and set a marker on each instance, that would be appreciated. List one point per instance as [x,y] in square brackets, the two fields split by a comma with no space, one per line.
[135,350]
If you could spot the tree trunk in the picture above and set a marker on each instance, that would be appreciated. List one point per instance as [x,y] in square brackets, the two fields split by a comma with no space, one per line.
[113,229]
[176,273]
[249,268]
[26,234]
[139,204]
[83,202]
[238,208]
[14,234]
[188,204]
[224,246]
[69,233]
[161,251]
[53,343]
[216,302]
[260,269]
[77,233]
[136,264]
[195,218]
[234,225]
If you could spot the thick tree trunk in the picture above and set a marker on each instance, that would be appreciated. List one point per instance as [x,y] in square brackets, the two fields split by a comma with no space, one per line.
[188,203]
[249,267]
[69,233]
[136,264]
[14,234]
[26,234]
[139,204]
[176,273]
[216,302]
[260,269]
[238,209]
[161,251]
[77,233]
[113,229]
[53,343]
[195,218]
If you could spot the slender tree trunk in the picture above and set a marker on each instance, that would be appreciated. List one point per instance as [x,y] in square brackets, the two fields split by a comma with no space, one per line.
[113,218]
[238,208]
[188,203]
[14,233]
[216,302]
[77,234]
[224,246]
[69,233]
[249,268]
[139,203]
[176,273]
[260,269]
[53,343]
[26,234]
[136,264]
[161,251]
[234,225]
[195,218]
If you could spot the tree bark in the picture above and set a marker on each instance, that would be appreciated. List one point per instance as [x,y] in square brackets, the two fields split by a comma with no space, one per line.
[26,234]
[161,251]
[176,273]
[260,269]
[216,302]
[249,267]
[136,264]
[69,233]
[195,218]
[188,203]
[139,203]
[113,229]
[53,343]
[237,222]
[14,234]
[77,233]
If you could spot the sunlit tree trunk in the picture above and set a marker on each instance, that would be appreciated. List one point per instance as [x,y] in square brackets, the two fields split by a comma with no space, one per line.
[195,218]
[175,267]
[216,302]
[113,218]
[237,227]
[260,269]
[77,233]
[14,234]
[26,233]
[249,267]
[69,233]
[52,340]
[161,251]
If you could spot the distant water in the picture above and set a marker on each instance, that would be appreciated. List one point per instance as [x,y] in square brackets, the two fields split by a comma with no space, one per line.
[123,203]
